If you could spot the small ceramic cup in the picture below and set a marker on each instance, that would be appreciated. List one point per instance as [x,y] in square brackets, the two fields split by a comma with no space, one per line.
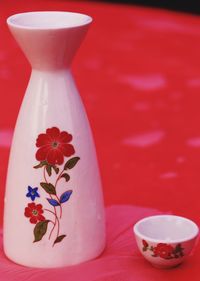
[165,240]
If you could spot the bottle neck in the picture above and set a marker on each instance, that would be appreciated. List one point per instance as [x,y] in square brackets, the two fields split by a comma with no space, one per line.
[49,49]
[51,76]
[45,84]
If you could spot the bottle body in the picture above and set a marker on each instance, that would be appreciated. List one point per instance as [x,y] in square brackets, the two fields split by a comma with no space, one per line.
[54,213]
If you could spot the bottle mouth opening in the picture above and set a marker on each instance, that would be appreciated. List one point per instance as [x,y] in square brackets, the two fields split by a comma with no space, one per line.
[48,20]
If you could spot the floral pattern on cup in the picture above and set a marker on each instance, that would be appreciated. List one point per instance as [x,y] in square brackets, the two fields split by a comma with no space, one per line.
[53,147]
[164,250]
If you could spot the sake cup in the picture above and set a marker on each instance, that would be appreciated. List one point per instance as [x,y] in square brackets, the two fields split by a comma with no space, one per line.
[165,240]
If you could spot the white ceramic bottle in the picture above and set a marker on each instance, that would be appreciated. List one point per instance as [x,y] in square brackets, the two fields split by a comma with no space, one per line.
[54,213]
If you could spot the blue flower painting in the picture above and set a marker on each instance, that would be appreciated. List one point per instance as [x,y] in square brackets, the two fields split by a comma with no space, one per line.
[32,193]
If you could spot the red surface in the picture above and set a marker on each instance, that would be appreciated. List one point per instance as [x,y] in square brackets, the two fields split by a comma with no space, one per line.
[139,76]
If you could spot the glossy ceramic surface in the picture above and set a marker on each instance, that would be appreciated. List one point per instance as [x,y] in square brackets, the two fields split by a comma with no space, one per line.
[54,212]
[165,240]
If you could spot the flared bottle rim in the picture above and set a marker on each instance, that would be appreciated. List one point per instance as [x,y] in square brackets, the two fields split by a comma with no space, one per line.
[44,20]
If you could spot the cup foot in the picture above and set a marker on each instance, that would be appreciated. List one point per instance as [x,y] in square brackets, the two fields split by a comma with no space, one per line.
[162,266]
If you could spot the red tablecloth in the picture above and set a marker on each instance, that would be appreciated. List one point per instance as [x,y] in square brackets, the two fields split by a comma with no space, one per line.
[139,76]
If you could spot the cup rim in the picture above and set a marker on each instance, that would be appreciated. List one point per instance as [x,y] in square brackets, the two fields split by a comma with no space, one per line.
[12,23]
[168,241]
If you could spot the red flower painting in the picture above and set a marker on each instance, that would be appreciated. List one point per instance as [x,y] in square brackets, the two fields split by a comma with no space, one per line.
[34,212]
[163,250]
[53,146]
[145,244]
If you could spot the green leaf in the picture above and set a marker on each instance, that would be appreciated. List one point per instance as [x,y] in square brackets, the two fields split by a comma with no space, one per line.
[48,168]
[59,239]
[178,249]
[40,165]
[48,187]
[66,176]
[40,230]
[71,163]
[56,169]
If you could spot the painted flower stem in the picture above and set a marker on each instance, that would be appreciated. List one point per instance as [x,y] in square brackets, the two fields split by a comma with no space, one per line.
[55,211]
[58,178]
[60,207]
[58,229]
[44,174]
[54,224]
